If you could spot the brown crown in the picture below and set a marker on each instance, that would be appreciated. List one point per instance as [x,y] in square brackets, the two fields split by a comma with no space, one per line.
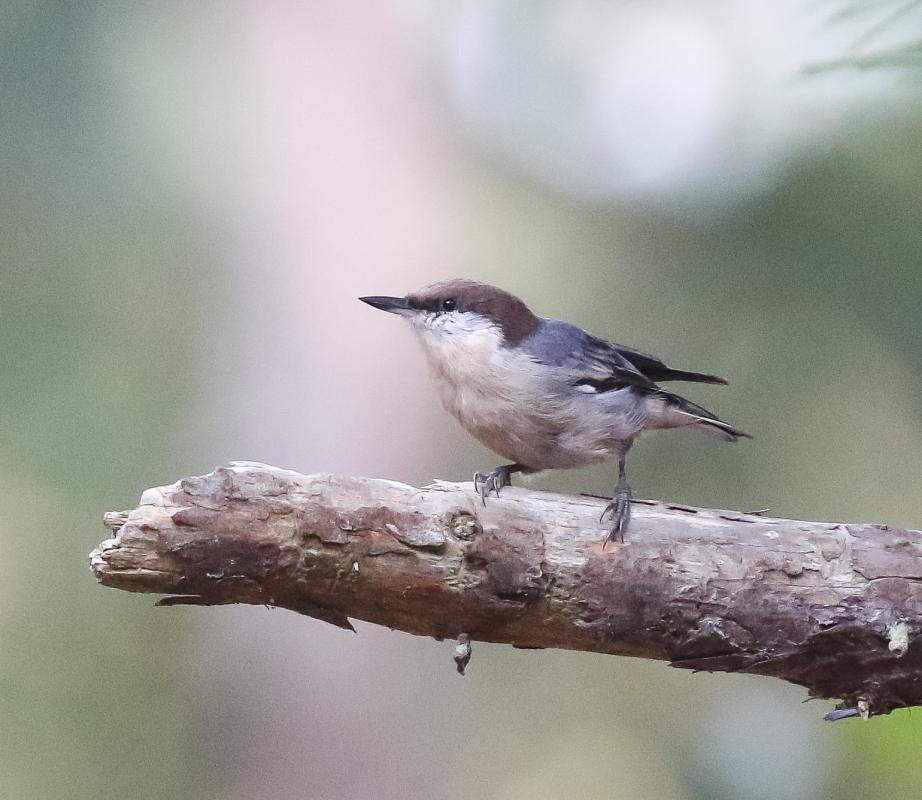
[512,316]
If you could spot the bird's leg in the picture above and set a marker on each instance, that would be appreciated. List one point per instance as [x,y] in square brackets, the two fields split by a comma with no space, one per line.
[619,509]
[495,480]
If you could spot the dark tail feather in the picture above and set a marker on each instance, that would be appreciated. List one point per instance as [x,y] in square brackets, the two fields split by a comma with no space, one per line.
[679,412]
[722,430]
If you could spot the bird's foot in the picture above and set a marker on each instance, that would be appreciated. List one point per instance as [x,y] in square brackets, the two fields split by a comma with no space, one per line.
[492,482]
[619,510]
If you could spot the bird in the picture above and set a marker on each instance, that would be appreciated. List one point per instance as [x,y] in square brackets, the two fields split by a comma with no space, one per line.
[544,393]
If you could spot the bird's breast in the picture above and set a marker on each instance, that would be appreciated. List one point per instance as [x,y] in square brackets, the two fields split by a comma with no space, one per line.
[480,384]
[504,399]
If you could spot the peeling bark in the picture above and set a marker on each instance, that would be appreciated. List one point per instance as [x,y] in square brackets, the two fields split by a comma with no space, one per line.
[836,608]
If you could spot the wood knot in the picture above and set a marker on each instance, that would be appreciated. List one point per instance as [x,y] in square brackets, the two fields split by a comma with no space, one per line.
[465,526]
[898,639]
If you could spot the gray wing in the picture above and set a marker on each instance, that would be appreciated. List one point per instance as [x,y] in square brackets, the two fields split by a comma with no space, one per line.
[607,365]
[583,358]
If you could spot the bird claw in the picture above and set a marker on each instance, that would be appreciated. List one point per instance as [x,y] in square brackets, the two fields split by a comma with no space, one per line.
[484,483]
[619,510]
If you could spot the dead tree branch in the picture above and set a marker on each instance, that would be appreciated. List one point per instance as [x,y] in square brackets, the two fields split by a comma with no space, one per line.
[836,608]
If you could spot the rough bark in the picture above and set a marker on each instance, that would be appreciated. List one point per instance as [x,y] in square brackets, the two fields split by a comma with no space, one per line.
[833,607]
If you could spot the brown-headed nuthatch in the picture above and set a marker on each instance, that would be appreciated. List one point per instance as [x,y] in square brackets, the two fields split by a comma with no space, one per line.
[541,392]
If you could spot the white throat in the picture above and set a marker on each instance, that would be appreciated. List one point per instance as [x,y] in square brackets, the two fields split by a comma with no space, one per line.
[461,346]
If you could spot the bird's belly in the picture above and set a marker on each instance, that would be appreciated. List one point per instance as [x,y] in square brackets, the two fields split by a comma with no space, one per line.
[533,429]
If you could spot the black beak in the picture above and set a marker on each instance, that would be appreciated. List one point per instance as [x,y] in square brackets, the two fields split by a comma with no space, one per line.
[394,305]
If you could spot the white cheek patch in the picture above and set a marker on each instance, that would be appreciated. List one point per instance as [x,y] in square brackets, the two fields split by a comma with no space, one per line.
[458,328]
[461,346]
[459,323]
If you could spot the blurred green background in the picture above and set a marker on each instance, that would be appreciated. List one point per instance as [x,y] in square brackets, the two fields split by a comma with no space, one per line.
[192,199]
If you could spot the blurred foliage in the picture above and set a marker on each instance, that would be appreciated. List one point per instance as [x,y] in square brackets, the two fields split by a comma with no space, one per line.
[882,17]
[104,274]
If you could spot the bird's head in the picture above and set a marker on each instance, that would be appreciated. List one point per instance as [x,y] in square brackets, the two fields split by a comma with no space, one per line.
[461,313]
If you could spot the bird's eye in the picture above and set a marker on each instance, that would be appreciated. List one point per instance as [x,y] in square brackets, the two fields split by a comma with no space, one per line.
[449,304]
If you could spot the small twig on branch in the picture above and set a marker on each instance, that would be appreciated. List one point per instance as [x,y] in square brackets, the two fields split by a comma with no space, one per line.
[832,607]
